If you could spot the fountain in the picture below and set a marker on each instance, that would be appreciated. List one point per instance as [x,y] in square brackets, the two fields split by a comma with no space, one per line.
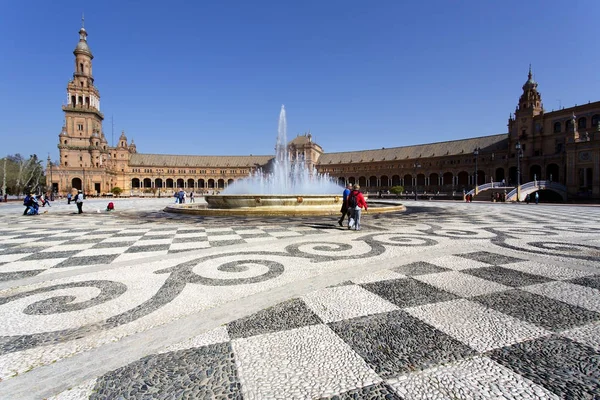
[291,188]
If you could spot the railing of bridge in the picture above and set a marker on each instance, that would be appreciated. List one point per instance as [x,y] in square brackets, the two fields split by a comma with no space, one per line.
[537,185]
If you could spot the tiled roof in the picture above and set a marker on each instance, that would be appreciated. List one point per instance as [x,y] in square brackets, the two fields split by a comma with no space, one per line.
[300,140]
[441,149]
[166,160]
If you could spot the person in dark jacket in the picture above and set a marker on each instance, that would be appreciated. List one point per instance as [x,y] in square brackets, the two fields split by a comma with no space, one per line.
[344,209]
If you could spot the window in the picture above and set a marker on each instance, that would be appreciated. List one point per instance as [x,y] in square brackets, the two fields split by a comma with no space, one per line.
[595,120]
[568,125]
[582,123]
[81,67]
[65,142]
[80,158]
[557,127]
[79,127]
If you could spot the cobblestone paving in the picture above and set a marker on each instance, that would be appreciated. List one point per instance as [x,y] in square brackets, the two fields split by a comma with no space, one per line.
[454,301]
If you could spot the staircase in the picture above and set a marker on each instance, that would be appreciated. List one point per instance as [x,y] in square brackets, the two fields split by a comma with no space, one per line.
[486,195]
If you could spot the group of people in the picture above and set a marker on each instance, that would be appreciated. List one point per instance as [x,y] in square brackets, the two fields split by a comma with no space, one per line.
[353,203]
[32,203]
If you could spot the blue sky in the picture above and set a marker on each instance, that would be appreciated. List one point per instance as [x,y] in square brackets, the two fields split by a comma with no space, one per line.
[210,77]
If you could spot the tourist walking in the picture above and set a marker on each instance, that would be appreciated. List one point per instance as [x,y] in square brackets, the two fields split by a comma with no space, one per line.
[69,198]
[356,202]
[344,209]
[79,202]
[537,197]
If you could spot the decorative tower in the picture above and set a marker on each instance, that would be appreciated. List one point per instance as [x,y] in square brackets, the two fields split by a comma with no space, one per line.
[82,144]
[521,126]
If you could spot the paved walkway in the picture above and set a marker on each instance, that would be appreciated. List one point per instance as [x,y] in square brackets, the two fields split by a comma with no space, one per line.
[447,300]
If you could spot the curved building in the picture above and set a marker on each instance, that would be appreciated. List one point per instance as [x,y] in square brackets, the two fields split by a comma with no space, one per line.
[561,146]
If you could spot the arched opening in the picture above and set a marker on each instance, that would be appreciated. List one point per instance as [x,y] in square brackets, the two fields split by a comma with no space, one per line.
[408,180]
[201,183]
[352,180]
[447,179]
[180,183]
[81,67]
[158,183]
[80,98]
[512,176]
[548,196]
[87,101]
[557,127]
[135,183]
[190,183]
[582,123]
[595,120]
[229,182]
[147,183]
[362,181]
[420,179]
[211,183]
[463,178]
[535,173]
[372,182]
[552,173]
[341,181]
[73,100]
[76,183]
[396,180]
[480,177]
[499,175]
[568,125]
[434,179]
[169,183]
[384,181]
[221,183]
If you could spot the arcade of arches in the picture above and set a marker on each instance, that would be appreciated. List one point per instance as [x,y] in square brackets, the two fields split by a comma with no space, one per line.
[561,146]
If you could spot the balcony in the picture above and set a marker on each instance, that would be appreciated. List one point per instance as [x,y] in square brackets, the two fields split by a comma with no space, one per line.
[83,109]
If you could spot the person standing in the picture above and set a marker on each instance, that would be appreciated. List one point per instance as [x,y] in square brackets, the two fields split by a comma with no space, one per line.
[69,198]
[344,209]
[356,202]
[79,202]
[537,197]
[192,196]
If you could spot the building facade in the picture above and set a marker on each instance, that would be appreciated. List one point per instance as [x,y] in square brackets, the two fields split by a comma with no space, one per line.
[561,146]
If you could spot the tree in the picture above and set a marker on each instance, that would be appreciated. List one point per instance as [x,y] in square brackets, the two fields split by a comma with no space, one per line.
[20,175]
[397,189]
[116,190]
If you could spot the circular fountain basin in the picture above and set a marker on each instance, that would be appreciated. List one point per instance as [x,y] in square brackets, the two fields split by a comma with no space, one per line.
[272,205]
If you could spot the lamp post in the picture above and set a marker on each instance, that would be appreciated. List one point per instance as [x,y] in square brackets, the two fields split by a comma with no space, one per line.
[519,155]
[83,184]
[416,165]
[476,154]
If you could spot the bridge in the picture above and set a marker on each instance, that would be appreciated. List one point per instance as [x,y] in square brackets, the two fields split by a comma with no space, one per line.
[526,188]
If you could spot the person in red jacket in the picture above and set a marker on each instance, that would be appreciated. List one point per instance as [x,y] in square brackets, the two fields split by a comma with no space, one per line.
[356,202]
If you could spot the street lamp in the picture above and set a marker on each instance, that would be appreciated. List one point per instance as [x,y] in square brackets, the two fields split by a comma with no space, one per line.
[416,165]
[476,154]
[83,184]
[519,155]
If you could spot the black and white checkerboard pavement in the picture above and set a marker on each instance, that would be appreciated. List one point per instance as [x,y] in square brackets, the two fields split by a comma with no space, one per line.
[27,251]
[476,325]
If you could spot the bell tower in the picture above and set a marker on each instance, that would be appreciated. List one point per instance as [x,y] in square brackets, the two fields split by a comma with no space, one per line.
[82,142]
[521,127]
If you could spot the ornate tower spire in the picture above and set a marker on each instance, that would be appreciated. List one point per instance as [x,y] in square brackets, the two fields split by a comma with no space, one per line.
[530,102]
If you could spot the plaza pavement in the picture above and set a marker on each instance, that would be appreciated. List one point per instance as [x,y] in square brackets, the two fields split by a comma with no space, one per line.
[444,301]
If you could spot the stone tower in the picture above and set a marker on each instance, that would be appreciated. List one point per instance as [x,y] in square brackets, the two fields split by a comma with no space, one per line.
[82,144]
[530,106]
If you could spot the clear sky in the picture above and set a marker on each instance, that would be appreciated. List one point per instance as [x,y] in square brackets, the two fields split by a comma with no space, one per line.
[209,77]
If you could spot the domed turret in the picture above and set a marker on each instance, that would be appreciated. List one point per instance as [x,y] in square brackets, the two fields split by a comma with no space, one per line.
[82,47]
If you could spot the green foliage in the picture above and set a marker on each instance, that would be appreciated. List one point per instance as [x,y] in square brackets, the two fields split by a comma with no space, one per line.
[397,189]
[116,190]
[19,175]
